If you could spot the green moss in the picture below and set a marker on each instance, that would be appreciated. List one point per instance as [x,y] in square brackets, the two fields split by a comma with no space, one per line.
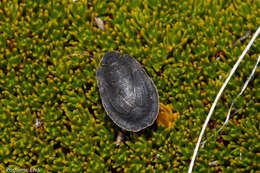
[186,47]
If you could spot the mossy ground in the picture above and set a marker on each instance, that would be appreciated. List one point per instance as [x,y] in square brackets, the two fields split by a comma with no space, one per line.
[186,48]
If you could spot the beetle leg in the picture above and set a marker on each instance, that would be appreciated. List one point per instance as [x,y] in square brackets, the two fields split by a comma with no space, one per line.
[119,138]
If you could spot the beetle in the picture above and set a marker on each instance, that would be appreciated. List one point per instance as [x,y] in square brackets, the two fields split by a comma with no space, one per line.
[128,95]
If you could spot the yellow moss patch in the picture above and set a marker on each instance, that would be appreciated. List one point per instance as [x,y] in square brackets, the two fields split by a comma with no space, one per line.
[166,117]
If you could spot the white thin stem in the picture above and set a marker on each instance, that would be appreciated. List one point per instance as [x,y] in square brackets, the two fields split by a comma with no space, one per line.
[217,98]
[241,92]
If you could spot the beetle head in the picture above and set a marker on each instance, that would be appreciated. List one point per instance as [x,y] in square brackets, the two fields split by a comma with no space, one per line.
[110,57]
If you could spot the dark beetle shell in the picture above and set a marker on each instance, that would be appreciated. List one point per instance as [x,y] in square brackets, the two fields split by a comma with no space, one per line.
[129,96]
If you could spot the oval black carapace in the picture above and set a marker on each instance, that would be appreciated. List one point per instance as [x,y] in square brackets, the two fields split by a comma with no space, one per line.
[128,95]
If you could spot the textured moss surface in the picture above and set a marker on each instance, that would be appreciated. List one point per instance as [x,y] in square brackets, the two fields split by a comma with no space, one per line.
[185,46]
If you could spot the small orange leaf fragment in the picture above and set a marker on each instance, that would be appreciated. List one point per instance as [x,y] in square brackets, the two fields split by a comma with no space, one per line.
[166,117]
